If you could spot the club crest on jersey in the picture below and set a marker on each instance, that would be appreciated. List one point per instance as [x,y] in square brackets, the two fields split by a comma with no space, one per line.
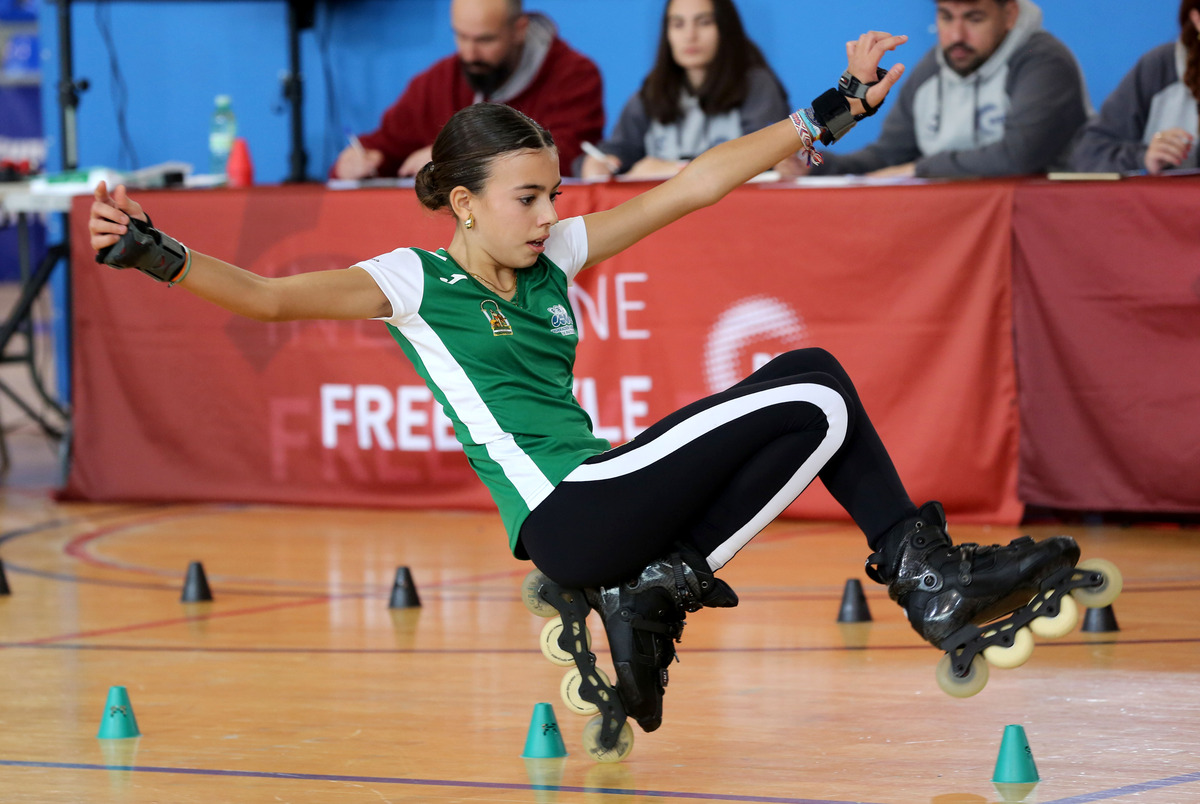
[500,325]
[560,320]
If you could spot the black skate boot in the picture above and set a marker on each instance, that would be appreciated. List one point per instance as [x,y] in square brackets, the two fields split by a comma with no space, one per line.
[944,587]
[644,618]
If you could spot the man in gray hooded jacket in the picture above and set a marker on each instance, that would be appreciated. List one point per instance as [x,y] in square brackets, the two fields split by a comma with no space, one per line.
[997,96]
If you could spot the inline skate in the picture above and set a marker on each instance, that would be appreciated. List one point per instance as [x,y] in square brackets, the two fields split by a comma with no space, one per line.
[984,604]
[643,619]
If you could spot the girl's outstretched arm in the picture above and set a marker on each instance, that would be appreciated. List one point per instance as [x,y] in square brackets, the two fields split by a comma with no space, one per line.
[346,294]
[717,171]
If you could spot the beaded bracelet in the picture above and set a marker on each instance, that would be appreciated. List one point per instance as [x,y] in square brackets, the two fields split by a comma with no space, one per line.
[809,133]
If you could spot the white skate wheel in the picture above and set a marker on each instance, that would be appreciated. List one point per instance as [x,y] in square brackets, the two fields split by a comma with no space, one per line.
[957,687]
[1098,597]
[572,685]
[553,651]
[529,589]
[591,741]
[1014,655]
[1059,625]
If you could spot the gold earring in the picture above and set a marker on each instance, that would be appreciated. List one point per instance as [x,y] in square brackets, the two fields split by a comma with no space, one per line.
[469,223]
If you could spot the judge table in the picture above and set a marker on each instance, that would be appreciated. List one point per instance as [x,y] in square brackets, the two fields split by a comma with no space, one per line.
[918,289]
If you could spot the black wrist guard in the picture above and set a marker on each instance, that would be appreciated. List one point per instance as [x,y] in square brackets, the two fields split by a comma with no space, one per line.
[831,111]
[147,249]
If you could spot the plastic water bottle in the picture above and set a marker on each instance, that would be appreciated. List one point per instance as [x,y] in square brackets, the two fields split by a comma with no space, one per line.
[221,134]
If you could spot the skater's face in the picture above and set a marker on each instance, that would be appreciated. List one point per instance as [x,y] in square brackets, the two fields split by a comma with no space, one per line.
[515,210]
[970,31]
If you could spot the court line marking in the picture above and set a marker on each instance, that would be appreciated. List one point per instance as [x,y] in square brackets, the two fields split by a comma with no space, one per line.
[54,643]
[79,549]
[32,643]
[398,780]
[1132,789]
[1084,798]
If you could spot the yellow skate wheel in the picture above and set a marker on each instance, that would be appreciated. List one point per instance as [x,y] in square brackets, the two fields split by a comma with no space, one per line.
[591,742]
[957,687]
[570,688]
[1014,655]
[553,651]
[529,589]
[1098,597]
[1061,624]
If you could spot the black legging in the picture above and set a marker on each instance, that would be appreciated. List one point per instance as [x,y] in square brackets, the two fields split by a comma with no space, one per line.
[716,472]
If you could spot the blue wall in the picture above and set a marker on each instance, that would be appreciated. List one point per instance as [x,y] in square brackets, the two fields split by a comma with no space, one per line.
[175,56]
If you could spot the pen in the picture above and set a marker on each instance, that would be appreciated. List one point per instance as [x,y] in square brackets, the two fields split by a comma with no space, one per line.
[596,153]
[354,142]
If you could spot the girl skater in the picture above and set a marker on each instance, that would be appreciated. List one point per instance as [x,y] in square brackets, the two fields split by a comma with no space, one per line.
[644,526]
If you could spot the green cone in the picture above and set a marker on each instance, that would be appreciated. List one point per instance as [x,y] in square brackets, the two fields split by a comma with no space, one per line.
[118,721]
[1015,765]
[543,740]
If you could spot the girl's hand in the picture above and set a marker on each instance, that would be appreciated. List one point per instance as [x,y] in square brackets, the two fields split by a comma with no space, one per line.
[358,163]
[593,168]
[1167,149]
[863,56]
[110,215]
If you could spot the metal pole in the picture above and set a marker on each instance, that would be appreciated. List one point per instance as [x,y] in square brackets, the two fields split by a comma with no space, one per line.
[294,92]
[68,91]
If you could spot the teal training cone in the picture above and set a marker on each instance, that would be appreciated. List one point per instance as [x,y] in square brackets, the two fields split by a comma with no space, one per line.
[544,740]
[118,721]
[1015,765]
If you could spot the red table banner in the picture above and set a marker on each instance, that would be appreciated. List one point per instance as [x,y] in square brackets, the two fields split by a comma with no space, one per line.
[1107,293]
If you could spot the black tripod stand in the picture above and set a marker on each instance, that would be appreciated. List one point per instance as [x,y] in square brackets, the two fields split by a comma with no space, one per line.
[20,322]
[20,318]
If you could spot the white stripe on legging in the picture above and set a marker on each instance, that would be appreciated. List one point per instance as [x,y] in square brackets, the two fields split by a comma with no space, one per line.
[829,401]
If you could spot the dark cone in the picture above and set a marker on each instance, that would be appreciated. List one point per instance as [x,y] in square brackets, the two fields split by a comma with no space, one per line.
[195,586]
[4,590]
[404,591]
[854,604]
[1100,621]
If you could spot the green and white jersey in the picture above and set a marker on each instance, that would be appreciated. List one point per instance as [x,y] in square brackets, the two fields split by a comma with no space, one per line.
[502,371]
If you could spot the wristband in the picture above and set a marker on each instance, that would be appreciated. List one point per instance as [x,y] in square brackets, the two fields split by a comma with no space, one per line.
[187,267]
[809,132]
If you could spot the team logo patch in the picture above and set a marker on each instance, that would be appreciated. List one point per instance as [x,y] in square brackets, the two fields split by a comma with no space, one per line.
[500,325]
[560,320]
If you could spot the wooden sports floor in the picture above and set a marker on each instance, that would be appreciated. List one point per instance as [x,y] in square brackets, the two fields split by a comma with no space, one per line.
[299,684]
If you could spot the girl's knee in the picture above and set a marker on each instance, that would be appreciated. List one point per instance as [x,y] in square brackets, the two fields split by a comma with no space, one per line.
[808,361]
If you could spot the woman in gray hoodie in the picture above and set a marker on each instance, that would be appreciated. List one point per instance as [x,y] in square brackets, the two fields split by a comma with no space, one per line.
[1149,122]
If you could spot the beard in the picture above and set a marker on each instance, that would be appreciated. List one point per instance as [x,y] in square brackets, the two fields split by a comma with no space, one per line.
[972,62]
[485,78]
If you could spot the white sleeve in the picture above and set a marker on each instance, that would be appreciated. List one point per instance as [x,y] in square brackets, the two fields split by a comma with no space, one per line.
[401,278]
[567,246]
